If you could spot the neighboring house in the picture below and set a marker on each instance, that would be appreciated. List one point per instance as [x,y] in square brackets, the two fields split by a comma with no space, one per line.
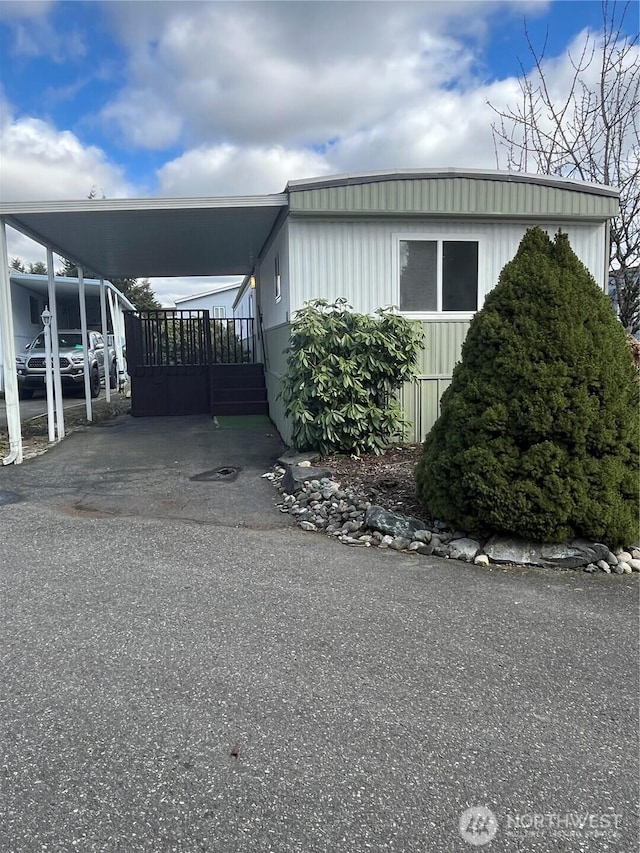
[218,302]
[432,243]
[29,296]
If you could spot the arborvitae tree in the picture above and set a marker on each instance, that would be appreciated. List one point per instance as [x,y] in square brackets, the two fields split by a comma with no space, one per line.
[538,433]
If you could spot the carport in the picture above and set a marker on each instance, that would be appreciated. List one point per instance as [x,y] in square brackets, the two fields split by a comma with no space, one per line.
[131,238]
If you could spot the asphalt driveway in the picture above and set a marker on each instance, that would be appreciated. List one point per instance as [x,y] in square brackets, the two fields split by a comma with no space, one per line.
[184,670]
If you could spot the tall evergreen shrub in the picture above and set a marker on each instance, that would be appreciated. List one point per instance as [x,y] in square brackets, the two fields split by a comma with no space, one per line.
[538,433]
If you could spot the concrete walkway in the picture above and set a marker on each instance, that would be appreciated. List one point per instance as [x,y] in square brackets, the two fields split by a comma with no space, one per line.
[186,671]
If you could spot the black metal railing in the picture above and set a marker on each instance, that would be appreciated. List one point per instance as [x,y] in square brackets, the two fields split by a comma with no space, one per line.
[171,338]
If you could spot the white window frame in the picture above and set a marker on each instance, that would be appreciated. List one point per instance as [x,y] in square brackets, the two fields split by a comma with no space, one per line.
[277,279]
[218,312]
[438,238]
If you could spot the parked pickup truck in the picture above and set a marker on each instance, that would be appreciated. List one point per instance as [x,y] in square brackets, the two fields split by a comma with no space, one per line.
[31,367]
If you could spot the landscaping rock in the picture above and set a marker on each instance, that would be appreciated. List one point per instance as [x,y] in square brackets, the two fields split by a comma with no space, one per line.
[319,503]
[295,477]
[400,543]
[572,555]
[378,518]
[466,548]
[293,458]
[422,536]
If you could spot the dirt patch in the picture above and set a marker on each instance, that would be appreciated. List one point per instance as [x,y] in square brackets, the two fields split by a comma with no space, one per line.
[388,479]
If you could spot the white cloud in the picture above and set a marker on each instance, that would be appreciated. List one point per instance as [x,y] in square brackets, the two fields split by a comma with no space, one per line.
[294,74]
[41,162]
[231,170]
[20,9]
[34,35]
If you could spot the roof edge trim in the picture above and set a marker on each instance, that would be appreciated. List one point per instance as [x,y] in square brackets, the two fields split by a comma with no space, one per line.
[106,205]
[355,178]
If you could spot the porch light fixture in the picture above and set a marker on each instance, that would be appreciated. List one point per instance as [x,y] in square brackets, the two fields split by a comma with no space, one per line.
[46,317]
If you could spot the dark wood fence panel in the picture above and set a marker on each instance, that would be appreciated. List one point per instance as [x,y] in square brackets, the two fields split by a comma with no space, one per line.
[176,361]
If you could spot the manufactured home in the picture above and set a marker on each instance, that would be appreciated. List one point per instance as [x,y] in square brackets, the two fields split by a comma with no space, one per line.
[431,242]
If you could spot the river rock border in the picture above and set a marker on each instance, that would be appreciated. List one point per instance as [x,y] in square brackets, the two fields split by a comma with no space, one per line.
[320,504]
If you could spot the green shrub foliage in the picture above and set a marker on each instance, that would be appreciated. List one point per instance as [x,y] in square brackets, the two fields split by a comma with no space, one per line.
[343,372]
[538,432]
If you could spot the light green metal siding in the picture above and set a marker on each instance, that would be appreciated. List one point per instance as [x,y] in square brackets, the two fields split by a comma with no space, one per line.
[276,341]
[449,196]
[421,399]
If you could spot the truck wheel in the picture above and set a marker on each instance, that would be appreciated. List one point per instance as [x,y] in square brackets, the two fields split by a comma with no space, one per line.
[113,377]
[95,382]
[25,393]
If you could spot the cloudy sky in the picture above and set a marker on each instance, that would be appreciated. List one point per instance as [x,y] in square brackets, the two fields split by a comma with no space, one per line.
[236,98]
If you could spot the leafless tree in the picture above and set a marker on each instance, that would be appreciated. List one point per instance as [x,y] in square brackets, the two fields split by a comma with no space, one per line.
[589,132]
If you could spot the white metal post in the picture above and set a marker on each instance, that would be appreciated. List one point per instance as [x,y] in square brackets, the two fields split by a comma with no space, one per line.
[103,319]
[85,343]
[48,373]
[7,340]
[57,382]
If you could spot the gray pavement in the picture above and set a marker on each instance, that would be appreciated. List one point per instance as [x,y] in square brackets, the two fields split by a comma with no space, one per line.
[152,625]
[37,406]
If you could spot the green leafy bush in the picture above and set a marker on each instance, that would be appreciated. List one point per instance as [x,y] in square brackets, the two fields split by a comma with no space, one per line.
[538,432]
[343,372]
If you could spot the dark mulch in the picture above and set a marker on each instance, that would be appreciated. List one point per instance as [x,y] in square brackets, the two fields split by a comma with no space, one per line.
[387,479]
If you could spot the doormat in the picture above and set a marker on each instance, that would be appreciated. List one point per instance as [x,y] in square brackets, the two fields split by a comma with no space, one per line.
[241,421]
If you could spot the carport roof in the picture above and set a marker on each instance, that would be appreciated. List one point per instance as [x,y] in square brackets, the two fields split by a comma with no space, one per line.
[67,286]
[118,238]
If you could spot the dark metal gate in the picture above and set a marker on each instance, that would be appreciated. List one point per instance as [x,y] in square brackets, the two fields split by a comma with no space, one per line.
[186,363]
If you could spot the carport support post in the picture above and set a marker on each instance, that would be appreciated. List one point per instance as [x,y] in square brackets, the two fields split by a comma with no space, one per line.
[12,399]
[85,354]
[48,374]
[57,382]
[103,320]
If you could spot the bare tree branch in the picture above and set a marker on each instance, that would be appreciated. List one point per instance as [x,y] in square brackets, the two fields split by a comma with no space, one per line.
[589,133]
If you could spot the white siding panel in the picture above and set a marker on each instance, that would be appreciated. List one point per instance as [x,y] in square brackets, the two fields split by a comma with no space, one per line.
[356,259]
[274,313]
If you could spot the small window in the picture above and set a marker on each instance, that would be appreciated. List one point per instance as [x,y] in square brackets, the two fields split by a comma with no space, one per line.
[34,311]
[438,275]
[219,312]
[277,278]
